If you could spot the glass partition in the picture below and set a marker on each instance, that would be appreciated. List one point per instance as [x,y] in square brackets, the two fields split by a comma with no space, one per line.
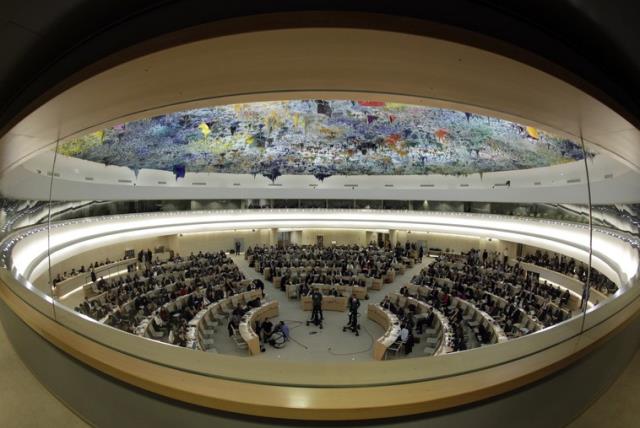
[16,216]
[486,223]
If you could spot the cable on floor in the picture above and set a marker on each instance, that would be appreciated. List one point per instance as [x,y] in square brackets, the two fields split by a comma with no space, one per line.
[364,327]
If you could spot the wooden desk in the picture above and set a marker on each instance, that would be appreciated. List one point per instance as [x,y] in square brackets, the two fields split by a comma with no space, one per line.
[390,323]
[565,281]
[390,276]
[440,322]
[447,333]
[292,290]
[487,320]
[498,333]
[529,320]
[329,303]
[348,290]
[376,284]
[84,279]
[409,261]
[343,290]
[248,334]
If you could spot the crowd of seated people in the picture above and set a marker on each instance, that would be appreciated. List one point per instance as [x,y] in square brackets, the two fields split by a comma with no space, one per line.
[568,266]
[177,321]
[81,270]
[440,302]
[483,280]
[333,265]
[414,322]
[238,312]
[128,300]
[407,315]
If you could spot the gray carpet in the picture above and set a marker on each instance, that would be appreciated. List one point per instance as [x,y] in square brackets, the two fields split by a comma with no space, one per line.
[312,343]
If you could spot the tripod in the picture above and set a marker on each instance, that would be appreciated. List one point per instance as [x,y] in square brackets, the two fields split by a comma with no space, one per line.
[353,322]
[316,316]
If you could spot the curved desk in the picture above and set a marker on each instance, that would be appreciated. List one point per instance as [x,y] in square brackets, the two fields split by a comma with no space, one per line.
[360,292]
[390,323]
[528,323]
[390,276]
[498,335]
[221,308]
[84,279]
[445,345]
[329,303]
[475,317]
[440,324]
[376,284]
[248,334]
[572,284]
[343,290]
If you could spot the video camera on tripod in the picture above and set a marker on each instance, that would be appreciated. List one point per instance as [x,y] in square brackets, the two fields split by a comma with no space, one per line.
[316,309]
[354,305]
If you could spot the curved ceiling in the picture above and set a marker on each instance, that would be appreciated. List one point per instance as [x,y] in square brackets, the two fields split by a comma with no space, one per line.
[323,138]
[327,64]
[43,42]
[322,63]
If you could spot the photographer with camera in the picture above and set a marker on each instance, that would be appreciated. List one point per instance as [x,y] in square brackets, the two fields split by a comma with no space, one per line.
[316,313]
[353,305]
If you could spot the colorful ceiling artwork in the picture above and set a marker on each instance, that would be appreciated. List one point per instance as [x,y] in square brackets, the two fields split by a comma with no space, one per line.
[323,138]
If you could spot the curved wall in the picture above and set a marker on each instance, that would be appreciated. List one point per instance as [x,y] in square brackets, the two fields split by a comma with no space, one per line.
[611,256]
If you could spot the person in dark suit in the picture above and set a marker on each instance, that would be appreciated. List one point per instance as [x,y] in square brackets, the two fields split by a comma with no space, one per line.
[267,330]
[234,323]
[259,285]
[386,303]
[353,305]
[284,280]
[316,313]
[408,345]
[424,321]
[93,275]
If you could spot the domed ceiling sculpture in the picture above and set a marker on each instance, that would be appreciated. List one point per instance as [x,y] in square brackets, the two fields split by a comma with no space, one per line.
[323,138]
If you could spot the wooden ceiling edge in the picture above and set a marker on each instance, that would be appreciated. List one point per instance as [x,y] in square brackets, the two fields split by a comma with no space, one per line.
[279,402]
[322,19]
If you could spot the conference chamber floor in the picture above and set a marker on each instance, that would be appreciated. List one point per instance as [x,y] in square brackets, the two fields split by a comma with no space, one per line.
[310,343]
